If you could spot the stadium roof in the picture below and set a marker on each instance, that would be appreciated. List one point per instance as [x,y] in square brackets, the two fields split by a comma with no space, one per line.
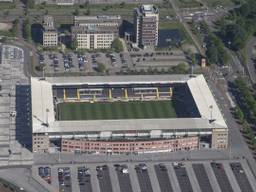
[43,107]
[126,79]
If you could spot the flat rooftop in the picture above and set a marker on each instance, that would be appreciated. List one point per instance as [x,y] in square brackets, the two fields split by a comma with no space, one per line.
[43,107]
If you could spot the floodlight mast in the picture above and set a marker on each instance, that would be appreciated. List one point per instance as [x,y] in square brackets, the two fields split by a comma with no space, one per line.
[211,108]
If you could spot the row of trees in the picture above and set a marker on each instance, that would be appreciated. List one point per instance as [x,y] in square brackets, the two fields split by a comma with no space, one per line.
[216,52]
[239,25]
[247,129]
[248,113]
[247,97]
[27,30]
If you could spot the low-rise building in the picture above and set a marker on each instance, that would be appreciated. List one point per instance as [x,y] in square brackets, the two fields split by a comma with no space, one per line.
[116,147]
[95,32]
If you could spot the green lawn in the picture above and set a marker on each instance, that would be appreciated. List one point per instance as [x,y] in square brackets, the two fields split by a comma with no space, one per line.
[116,110]
[188,3]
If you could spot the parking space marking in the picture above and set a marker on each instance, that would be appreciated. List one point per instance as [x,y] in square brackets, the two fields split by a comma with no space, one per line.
[153,177]
[202,178]
[231,177]
[221,176]
[74,181]
[114,179]
[143,178]
[163,178]
[192,177]
[241,177]
[134,178]
[123,176]
[104,178]
[55,181]
[173,178]
[94,180]
[249,174]
[212,177]
[183,178]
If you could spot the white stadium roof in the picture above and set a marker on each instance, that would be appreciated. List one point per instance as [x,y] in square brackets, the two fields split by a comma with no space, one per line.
[43,108]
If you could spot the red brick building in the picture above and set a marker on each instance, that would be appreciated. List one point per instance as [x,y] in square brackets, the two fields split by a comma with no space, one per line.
[146,146]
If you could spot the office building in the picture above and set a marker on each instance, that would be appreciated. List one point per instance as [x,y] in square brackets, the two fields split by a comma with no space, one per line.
[146,19]
[50,34]
[95,32]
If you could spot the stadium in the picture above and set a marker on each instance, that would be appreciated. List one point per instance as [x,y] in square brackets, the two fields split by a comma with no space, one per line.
[125,114]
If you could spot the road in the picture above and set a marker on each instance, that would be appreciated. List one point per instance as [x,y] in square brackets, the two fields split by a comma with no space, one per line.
[185,25]
[251,65]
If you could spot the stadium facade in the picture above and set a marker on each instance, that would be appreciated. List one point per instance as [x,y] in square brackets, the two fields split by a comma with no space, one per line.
[197,122]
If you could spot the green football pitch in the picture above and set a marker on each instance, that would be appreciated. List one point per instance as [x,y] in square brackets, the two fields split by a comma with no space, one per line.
[115,110]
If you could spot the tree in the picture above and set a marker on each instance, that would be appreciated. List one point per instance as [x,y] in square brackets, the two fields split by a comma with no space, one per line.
[117,45]
[101,68]
[74,45]
[212,53]
[122,4]
[30,4]
[76,12]
[236,35]
[239,114]
[181,68]
[6,13]
[14,29]
[27,30]
[216,54]
[87,12]
[193,59]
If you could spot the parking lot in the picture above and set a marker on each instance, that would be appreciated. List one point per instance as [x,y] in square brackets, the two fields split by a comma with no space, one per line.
[72,63]
[134,177]
[55,63]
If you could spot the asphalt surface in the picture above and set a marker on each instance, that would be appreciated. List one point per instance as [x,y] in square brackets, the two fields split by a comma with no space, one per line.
[183,179]
[124,181]
[104,180]
[202,177]
[221,177]
[251,55]
[168,177]
[144,180]
[241,177]
[163,178]
[85,184]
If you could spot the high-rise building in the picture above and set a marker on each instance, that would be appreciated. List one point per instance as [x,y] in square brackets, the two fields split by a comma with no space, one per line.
[50,34]
[146,19]
[95,32]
